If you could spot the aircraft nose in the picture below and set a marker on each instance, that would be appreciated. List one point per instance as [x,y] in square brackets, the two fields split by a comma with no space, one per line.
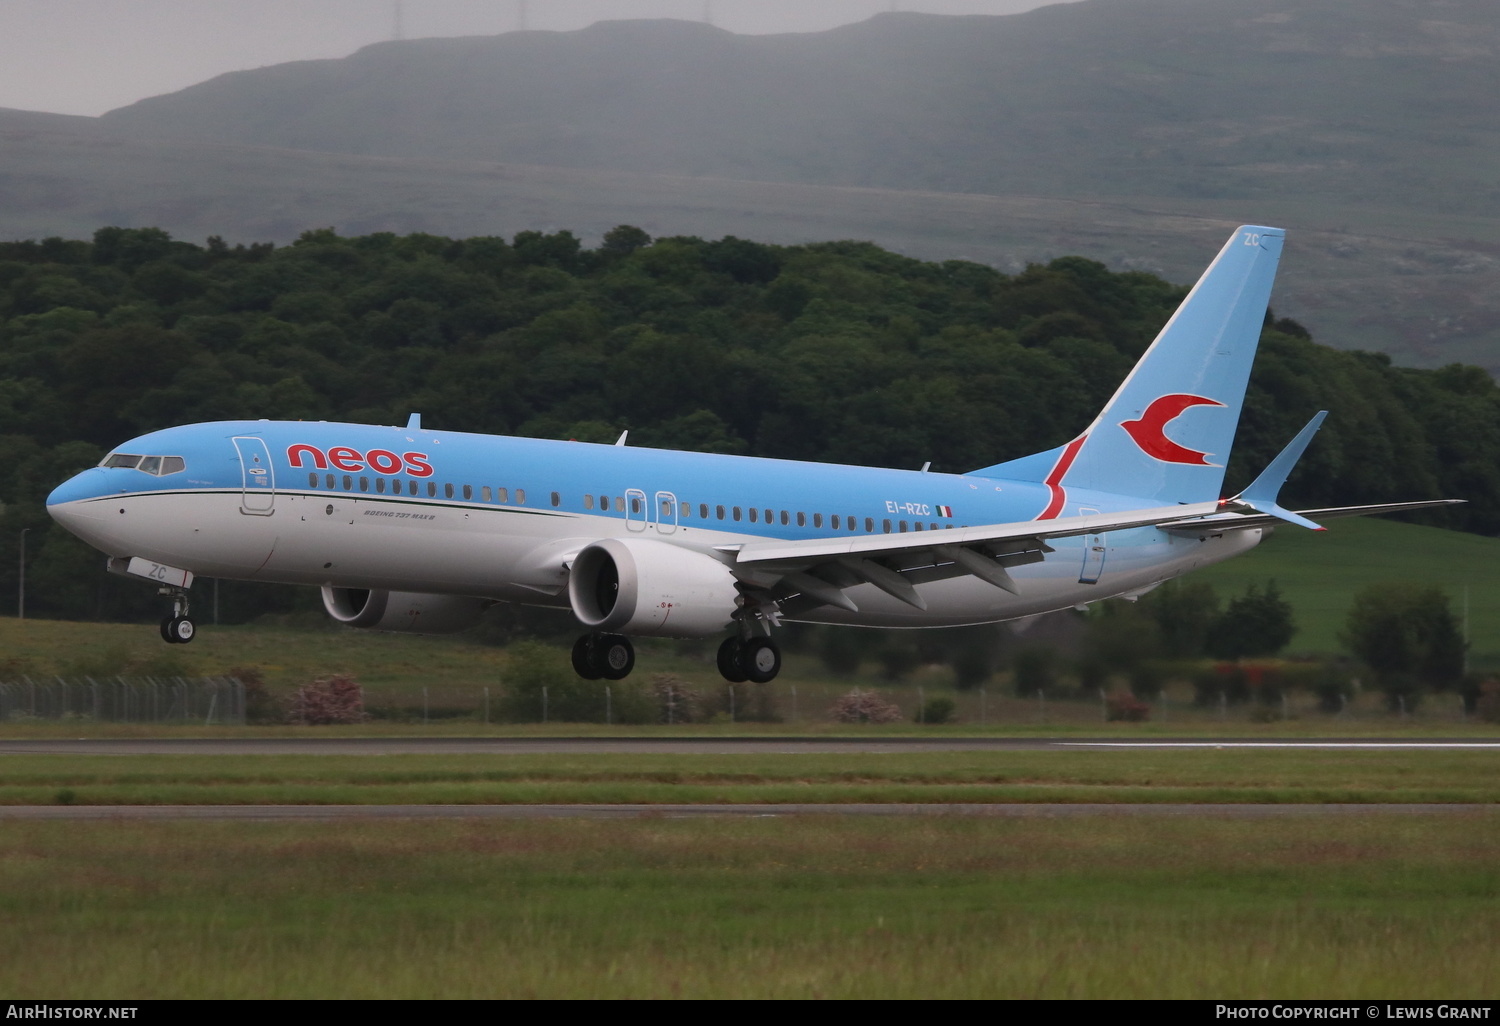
[90,484]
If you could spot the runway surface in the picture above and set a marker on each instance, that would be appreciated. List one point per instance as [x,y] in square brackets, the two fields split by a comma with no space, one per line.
[317,813]
[681,746]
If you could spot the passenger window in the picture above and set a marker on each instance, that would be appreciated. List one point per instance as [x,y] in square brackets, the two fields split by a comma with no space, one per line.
[853,525]
[468,492]
[754,515]
[604,503]
[502,495]
[411,487]
[887,525]
[364,484]
[312,480]
[903,527]
[588,502]
[332,481]
[556,500]
[666,509]
[635,505]
[817,520]
[380,485]
[785,518]
[520,496]
[801,519]
[835,522]
[687,510]
[736,514]
[720,510]
[348,483]
[448,491]
[918,525]
[769,518]
[869,525]
[486,494]
[703,510]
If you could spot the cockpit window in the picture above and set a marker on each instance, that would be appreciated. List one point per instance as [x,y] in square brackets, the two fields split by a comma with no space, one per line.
[158,466]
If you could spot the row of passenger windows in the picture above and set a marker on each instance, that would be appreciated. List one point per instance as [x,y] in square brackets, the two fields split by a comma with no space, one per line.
[637,504]
[397,485]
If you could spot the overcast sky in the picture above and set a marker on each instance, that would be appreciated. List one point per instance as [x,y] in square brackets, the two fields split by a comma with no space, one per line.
[90,56]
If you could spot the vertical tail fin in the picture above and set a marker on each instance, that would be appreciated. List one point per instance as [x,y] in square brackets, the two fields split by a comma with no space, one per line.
[1166,433]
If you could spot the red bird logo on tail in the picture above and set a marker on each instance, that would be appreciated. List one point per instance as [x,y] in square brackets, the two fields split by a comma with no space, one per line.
[1149,431]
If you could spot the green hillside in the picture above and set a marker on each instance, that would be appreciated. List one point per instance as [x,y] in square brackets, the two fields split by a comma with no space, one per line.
[1320,573]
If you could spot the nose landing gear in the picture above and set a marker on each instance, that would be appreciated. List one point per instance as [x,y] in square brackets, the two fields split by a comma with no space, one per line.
[609,656]
[179,628]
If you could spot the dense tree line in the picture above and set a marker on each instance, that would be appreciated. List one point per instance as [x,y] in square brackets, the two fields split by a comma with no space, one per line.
[834,351]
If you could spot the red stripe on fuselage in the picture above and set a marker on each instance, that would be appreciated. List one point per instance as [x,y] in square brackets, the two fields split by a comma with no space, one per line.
[1054,479]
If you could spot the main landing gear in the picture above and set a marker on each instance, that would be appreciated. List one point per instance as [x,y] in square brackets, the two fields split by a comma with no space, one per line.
[178,629]
[609,656]
[612,657]
[757,660]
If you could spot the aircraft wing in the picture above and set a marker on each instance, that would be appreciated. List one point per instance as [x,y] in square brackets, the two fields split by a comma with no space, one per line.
[817,570]
[1241,521]
[794,576]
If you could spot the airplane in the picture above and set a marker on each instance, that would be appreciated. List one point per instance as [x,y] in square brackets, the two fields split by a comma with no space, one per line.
[410,529]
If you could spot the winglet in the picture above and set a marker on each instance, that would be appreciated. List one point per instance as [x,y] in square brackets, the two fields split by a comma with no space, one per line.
[1262,494]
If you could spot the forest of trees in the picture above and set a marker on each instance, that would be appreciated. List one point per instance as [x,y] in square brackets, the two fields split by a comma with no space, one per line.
[833,351]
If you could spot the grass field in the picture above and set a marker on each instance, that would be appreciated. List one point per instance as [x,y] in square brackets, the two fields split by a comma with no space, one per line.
[1136,776]
[1319,573]
[822,907]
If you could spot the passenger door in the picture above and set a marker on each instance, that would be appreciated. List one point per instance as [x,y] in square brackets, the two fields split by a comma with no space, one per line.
[257,477]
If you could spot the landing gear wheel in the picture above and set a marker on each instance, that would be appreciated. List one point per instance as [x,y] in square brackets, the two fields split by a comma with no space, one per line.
[732,661]
[614,657]
[583,658]
[178,630]
[761,659]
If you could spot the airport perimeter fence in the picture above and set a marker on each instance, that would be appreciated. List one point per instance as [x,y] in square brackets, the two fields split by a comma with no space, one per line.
[206,700]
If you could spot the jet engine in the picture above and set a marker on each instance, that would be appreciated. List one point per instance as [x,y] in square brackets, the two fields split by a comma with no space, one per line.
[644,587]
[402,611]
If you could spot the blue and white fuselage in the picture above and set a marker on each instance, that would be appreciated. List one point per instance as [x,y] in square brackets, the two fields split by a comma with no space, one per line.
[499,517]
[411,529]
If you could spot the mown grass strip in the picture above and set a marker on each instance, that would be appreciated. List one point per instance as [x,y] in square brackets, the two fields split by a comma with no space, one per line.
[819,907]
[1194,775]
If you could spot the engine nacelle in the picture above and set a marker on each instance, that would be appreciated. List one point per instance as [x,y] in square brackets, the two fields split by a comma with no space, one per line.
[402,611]
[644,587]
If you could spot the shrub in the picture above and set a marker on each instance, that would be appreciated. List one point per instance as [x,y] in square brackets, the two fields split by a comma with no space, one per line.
[937,710]
[864,707]
[752,703]
[1123,707]
[1488,704]
[260,705]
[676,700]
[337,698]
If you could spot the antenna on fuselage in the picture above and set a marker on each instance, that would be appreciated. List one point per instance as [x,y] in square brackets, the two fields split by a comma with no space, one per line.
[414,422]
[926,466]
[623,435]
